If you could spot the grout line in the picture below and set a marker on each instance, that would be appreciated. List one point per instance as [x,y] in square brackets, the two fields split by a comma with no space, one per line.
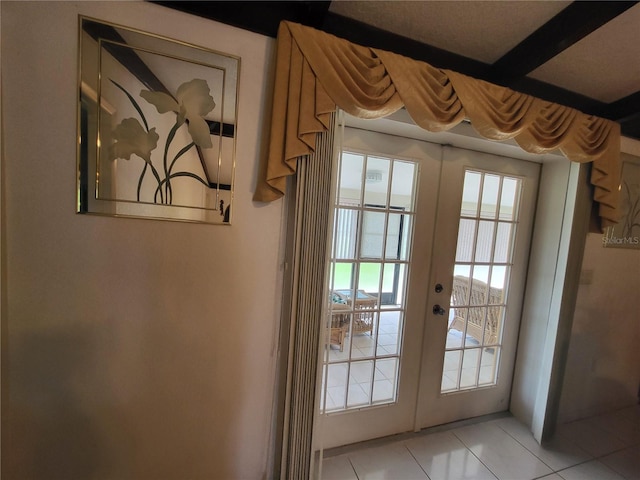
[473,453]
[416,460]
[353,468]
[525,447]
[550,467]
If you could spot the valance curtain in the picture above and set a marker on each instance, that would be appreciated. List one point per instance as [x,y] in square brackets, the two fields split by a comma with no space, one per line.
[316,73]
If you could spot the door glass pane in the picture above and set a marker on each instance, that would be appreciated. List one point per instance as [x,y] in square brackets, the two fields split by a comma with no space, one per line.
[350,191]
[484,243]
[369,266]
[369,278]
[504,240]
[488,366]
[345,224]
[466,240]
[373,229]
[478,290]
[493,325]
[360,383]
[389,294]
[481,274]
[499,280]
[457,326]
[451,370]
[393,285]
[342,276]
[405,236]
[490,191]
[394,236]
[471,194]
[476,317]
[510,193]
[402,185]
[376,185]
[470,366]
[336,381]
[385,382]
[389,333]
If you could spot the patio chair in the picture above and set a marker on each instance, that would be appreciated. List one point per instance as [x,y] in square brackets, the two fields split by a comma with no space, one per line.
[343,308]
[485,333]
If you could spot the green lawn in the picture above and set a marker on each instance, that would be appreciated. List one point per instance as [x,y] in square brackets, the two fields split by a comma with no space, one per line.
[369,277]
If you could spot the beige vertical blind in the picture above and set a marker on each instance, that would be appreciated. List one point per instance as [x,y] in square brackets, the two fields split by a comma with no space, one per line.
[317,72]
[308,268]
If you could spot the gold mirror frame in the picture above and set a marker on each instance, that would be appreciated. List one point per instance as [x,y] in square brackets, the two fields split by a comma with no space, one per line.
[157,126]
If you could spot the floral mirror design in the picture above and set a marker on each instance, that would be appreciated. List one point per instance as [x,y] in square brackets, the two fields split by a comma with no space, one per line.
[157,123]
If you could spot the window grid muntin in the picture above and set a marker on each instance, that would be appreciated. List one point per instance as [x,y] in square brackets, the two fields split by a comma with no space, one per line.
[405,238]
[498,218]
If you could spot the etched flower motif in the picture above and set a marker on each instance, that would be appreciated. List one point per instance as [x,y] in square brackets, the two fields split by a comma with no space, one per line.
[130,138]
[193,101]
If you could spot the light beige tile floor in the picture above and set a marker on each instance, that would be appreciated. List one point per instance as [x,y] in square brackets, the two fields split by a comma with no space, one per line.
[605,447]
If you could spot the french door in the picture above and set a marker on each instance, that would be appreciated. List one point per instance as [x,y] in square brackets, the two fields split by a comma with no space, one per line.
[427,266]
[484,221]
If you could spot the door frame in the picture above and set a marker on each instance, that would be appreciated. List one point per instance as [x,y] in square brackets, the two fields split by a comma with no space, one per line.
[562,220]
[536,391]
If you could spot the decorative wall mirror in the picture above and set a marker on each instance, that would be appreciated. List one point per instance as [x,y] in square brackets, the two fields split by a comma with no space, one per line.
[157,125]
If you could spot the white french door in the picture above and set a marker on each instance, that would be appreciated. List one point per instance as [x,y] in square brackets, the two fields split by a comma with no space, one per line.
[484,221]
[408,345]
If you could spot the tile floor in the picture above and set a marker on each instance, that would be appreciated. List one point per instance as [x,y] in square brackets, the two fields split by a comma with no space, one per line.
[605,447]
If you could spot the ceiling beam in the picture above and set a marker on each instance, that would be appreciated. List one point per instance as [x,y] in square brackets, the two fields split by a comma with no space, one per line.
[631,127]
[622,109]
[261,17]
[563,30]
[569,26]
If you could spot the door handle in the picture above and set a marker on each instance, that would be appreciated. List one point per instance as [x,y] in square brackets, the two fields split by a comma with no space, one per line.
[438,310]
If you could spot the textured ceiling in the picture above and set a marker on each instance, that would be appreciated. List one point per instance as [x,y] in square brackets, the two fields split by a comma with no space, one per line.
[476,30]
[604,65]
[583,54]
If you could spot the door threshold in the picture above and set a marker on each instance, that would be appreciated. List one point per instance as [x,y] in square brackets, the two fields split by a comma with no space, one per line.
[378,442]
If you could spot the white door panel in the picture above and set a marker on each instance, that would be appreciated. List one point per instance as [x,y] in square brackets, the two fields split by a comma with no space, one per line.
[390,354]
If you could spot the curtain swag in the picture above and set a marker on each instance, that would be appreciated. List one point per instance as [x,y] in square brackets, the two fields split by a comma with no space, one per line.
[316,73]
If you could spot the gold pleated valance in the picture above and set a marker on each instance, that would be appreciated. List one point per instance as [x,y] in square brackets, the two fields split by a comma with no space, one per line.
[317,72]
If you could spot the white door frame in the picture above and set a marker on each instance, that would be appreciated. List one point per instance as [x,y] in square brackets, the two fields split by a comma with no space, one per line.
[562,220]
[557,249]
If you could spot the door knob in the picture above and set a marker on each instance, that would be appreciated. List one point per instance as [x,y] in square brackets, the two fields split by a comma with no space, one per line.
[438,310]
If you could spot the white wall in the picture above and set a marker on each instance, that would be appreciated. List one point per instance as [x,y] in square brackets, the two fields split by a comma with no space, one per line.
[603,366]
[137,349]
[544,262]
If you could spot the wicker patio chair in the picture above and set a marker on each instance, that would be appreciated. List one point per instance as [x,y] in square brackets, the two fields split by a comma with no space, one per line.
[461,297]
[363,309]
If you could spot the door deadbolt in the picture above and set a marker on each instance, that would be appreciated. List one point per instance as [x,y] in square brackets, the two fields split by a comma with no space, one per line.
[438,310]
[439,287]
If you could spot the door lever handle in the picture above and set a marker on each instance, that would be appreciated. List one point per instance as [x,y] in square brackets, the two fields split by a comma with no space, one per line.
[438,310]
